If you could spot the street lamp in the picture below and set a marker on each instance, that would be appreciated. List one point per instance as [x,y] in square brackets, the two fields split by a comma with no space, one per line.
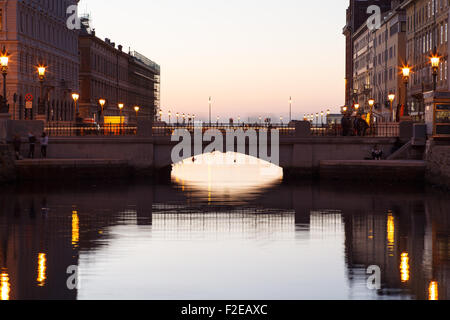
[391,97]
[160,115]
[290,109]
[321,117]
[210,109]
[4,60]
[102,103]
[137,108]
[406,71]
[170,116]
[121,106]
[178,115]
[371,104]
[41,73]
[75,97]
[435,60]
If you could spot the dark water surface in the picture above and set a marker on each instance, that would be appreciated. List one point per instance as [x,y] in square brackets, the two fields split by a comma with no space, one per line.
[185,241]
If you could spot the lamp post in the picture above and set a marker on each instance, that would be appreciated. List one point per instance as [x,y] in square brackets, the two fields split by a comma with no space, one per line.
[4,60]
[121,106]
[321,117]
[290,109]
[371,104]
[160,115]
[102,103]
[170,116]
[391,97]
[75,97]
[406,70]
[210,109]
[136,109]
[435,60]
[178,116]
[41,73]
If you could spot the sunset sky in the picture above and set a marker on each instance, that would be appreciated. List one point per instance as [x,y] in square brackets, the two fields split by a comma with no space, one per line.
[249,55]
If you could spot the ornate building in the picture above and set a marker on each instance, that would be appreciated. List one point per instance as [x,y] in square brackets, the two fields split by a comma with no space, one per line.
[35,32]
[427,31]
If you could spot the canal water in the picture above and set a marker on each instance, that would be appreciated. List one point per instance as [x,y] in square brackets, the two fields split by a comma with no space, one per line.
[223,231]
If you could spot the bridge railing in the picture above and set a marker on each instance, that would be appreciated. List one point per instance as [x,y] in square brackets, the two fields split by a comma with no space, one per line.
[169,129]
[162,130]
[82,130]
[377,130]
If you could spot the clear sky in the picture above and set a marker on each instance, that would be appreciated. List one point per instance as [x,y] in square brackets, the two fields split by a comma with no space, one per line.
[249,55]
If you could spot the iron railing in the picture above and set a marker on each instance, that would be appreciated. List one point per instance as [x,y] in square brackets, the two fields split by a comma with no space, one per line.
[169,129]
[377,130]
[330,130]
[82,130]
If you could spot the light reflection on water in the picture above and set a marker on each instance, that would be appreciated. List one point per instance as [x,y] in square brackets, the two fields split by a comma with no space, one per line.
[207,237]
[222,177]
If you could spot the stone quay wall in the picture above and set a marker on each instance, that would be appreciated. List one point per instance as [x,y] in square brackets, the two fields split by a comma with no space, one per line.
[7,166]
[438,164]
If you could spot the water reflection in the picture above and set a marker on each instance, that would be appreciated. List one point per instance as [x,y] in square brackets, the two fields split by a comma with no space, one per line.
[5,287]
[220,177]
[286,242]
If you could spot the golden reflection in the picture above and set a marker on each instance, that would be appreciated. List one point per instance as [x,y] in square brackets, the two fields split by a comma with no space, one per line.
[75,228]
[5,287]
[42,268]
[404,267]
[391,233]
[433,291]
[225,175]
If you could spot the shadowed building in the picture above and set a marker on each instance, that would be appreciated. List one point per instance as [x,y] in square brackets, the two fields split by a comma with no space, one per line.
[356,17]
[378,55]
[35,32]
[120,78]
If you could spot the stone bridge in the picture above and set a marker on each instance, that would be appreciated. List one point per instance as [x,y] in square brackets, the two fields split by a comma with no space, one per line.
[300,152]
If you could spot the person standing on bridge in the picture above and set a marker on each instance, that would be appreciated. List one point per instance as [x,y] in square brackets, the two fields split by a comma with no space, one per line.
[32,141]
[44,145]
[346,124]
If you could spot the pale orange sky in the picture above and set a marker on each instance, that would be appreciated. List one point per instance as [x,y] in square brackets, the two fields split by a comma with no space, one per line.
[249,55]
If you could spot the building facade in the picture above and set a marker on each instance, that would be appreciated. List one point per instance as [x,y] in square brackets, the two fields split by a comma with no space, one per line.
[377,60]
[356,16]
[34,32]
[108,73]
[362,66]
[389,55]
[427,34]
